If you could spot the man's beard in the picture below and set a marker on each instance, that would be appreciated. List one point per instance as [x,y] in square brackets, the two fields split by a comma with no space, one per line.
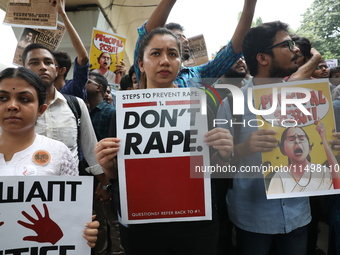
[277,72]
[232,73]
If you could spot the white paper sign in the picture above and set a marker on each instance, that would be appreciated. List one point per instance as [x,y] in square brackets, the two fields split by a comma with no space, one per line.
[162,133]
[45,214]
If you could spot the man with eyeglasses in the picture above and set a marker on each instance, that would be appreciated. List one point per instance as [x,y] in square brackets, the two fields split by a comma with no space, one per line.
[101,114]
[270,55]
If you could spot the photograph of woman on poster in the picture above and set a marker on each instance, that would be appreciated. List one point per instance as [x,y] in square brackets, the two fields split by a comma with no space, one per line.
[301,174]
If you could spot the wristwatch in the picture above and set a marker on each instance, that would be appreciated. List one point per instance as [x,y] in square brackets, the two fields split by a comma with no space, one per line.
[106,187]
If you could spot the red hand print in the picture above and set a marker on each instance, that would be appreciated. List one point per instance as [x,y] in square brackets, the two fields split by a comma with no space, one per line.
[47,230]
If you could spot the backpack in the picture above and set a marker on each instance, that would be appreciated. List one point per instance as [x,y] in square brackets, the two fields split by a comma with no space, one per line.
[73,103]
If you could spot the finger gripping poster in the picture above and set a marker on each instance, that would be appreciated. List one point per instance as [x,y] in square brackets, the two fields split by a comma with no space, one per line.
[44,214]
[161,133]
[303,162]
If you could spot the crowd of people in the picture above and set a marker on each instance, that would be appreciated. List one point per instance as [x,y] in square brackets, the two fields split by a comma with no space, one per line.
[75,121]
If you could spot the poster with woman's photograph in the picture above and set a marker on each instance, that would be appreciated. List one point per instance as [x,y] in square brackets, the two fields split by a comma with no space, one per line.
[303,164]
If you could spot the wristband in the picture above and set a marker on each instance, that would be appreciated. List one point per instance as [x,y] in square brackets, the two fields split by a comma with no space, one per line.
[106,187]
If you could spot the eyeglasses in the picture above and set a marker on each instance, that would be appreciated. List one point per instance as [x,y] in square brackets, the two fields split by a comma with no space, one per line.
[299,138]
[322,66]
[92,81]
[290,44]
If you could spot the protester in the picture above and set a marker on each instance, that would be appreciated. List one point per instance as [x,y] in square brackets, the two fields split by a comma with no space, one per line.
[101,114]
[213,69]
[132,76]
[161,50]
[270,55]
[126,83]
[22,101]
[334,79]
[59,121]
[108,96]
[76,85]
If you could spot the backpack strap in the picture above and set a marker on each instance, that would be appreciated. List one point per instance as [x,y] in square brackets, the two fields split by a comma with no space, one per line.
[73,103]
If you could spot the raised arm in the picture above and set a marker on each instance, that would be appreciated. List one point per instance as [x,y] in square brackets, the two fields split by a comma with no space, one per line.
[77,43]
[306,70]
[159,15]
[332,162]
[243,25]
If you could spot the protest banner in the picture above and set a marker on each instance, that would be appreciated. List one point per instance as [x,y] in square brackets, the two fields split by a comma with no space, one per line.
[332,63]
[106,51]
[198,51]
[303,164]
[162,133]
[44,214]
[47,37]
[33,14]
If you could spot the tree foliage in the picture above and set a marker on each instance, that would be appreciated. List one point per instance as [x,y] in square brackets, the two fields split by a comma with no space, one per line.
[321,25]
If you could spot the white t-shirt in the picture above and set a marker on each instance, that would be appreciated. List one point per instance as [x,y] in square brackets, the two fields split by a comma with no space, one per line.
[109,75]
[44,156]
[318,177]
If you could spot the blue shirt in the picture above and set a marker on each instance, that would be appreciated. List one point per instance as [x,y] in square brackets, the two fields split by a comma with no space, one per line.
[101,117]
[213,69]
[77,85]
[248,207]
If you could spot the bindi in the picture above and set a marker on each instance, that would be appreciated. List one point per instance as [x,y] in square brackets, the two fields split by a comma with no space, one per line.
[13,88]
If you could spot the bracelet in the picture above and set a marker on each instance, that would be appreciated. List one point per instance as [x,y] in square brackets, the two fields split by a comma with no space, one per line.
[231,156]
[106,187]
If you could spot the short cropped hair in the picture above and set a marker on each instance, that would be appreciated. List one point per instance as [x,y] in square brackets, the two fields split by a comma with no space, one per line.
[257,40]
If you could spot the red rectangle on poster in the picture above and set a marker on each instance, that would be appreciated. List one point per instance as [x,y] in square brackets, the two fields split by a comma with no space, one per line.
[159,187]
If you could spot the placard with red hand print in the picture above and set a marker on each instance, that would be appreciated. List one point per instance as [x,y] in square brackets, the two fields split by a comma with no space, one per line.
[44,213]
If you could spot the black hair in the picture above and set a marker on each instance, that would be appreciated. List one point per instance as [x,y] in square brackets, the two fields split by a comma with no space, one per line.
[63,60]
[31,47]
[258,39]
[126,83]
[334,70]
[101,54]
[173,25]
[304,45]
[131,71]
[283,138]
[100,79]
[145,42]
[29,76]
